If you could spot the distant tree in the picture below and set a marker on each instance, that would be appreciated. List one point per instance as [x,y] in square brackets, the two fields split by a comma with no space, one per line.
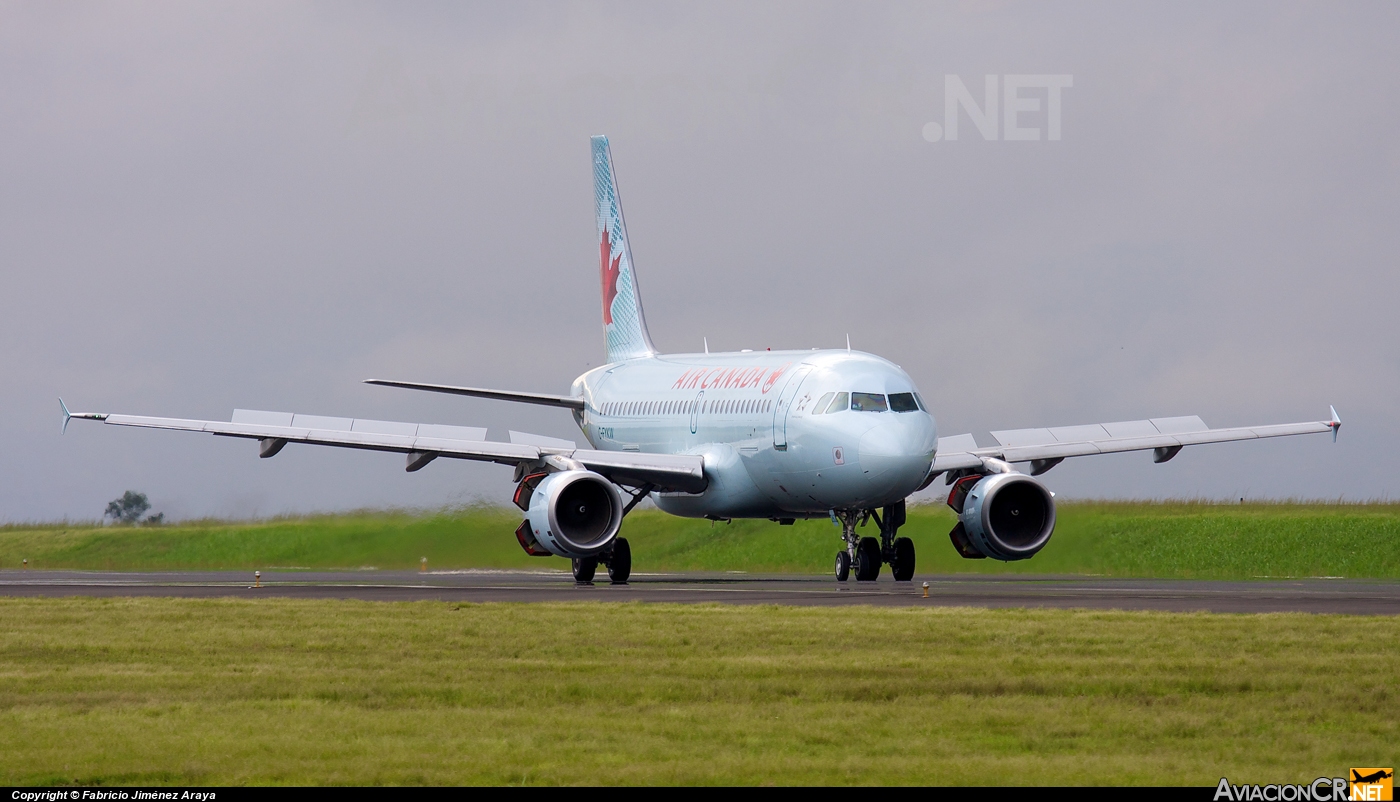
[130,507]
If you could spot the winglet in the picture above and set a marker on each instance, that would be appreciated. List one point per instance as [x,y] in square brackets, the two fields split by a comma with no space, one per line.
[67,416]
[1336,423]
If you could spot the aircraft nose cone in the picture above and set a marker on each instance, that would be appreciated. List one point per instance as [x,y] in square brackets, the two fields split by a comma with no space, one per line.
[893,455]
[882,442]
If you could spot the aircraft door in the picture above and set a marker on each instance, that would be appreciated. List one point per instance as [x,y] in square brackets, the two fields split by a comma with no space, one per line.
[695,412]
[780,409]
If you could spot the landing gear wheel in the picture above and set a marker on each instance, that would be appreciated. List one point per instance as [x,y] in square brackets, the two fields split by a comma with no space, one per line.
[585,568]
[868,560]
[620,564]
[843,566]
[902,566]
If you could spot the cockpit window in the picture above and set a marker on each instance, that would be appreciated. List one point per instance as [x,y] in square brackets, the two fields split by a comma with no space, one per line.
[839,403]
[920,399]
[820,407]
[903,402]
[868,402]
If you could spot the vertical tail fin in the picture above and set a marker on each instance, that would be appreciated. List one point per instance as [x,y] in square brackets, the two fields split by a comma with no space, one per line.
[624,325]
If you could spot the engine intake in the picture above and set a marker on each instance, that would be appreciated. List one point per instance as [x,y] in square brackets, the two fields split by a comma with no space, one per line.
[1005,516]
[574,514]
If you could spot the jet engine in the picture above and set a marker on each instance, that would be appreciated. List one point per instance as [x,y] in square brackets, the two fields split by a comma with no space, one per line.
[1005,516]
[573,513]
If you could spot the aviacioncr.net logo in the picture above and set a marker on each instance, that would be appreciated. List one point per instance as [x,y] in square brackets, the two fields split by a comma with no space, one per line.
[1373,785]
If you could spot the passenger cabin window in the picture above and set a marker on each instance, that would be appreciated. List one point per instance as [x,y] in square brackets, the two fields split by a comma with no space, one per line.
[903,402]
[868,402]
[839,403]
[820,407]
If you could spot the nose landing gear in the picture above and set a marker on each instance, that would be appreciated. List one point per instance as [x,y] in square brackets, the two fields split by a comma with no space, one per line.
[866,554]
[868,560]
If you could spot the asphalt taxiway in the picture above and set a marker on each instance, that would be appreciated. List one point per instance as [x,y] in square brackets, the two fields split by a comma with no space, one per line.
[1356,597]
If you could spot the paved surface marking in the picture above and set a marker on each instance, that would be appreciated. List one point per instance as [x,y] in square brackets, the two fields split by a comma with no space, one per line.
[1359,597]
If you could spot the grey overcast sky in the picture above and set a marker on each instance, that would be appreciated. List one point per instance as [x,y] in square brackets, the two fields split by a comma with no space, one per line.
[211,205]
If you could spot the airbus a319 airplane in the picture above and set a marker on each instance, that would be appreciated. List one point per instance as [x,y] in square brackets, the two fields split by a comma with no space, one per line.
[779,435]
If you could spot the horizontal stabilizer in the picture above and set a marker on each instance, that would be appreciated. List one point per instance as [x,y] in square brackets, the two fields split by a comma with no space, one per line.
[544,399]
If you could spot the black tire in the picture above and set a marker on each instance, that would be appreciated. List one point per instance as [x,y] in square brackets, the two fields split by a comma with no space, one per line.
[620,564]
[585,568]
[903,564]
[843,566]
[868,560]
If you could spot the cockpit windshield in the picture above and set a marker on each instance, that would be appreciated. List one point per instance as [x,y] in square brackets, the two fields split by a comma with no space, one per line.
[868,402]
[903,402]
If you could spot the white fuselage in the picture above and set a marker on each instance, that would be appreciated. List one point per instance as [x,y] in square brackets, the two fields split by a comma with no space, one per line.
[759,418]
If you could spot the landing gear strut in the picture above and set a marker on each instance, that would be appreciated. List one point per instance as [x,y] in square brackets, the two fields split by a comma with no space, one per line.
[849,520]
[861,553]
[868,560]
[866,554]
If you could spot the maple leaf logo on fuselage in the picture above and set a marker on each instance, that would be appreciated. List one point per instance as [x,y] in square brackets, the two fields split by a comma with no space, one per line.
[609,270]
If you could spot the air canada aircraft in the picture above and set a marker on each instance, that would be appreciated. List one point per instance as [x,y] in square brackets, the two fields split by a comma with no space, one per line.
[779,435]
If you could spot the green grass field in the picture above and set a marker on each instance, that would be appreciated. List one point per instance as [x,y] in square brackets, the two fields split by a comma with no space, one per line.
[134,691]
[140,690]
[1187,540]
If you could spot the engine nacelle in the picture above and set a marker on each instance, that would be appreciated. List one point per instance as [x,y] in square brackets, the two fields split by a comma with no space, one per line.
[575,513]
[1005,516]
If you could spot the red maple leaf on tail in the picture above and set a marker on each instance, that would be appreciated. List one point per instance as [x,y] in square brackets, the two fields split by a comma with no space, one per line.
[609,271]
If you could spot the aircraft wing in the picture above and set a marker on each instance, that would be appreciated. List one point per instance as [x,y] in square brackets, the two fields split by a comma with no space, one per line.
[424,442]
[1046,448]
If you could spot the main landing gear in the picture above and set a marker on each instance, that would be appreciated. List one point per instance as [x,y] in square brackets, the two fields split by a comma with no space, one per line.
[867,554]
[618,561]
